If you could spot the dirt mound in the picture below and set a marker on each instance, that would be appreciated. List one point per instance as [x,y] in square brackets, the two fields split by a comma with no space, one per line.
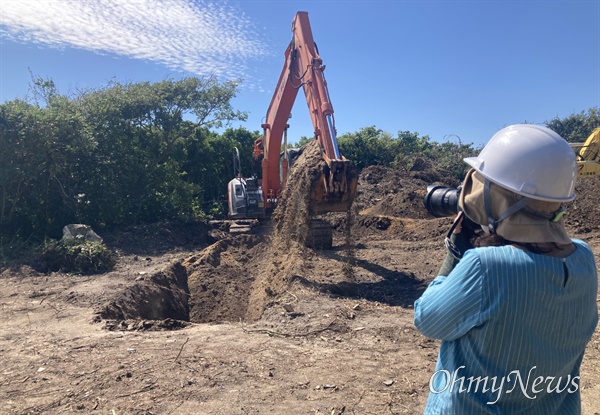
[221,278]
[583,214]
[388,196]
[390,199]
[285,256]
[383,191]
[162,296]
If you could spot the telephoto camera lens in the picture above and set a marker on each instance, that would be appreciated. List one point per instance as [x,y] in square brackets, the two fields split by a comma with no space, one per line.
[442,201]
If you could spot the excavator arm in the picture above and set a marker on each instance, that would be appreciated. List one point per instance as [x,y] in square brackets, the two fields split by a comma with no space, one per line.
[303,68]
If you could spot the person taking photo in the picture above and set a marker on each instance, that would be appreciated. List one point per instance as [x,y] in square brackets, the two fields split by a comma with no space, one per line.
[515,300]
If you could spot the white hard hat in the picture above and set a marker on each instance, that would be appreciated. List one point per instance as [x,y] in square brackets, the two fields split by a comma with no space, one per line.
[529,160]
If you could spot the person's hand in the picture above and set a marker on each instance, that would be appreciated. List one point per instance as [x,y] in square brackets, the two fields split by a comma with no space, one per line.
[456,241]
[457,225]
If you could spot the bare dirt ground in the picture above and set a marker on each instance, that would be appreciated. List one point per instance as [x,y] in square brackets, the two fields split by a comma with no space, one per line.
[192,321]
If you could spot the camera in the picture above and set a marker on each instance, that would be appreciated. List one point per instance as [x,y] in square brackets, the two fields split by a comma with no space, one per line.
[442,201]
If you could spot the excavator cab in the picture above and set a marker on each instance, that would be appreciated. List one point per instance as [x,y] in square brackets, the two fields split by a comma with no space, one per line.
[244,195]
[245,198]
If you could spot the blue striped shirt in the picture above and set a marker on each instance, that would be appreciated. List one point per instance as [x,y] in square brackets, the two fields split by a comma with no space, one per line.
[514,326]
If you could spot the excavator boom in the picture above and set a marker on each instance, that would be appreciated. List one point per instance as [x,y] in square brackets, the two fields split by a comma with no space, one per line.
[303,67]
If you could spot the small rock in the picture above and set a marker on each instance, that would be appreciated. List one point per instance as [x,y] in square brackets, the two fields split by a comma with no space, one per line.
[388,382]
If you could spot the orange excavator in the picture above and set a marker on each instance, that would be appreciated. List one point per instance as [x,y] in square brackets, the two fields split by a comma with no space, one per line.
[335,188]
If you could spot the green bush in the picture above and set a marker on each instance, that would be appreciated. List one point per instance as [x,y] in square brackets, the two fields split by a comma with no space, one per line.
[16,249]
[77,257]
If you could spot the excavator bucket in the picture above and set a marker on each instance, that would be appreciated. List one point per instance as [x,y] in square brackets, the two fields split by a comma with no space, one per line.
[334,189]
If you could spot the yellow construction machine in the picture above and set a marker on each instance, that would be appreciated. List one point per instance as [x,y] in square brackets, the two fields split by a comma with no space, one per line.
[588,155]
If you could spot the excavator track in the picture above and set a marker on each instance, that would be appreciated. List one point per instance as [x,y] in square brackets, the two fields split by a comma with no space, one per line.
[320,235]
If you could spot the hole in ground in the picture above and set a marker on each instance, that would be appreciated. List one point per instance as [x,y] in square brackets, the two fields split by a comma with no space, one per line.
[214,285]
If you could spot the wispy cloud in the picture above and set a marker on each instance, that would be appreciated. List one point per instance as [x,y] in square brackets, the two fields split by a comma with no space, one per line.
[196,36]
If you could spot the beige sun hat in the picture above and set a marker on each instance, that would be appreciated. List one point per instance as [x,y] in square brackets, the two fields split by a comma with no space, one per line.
[537,222]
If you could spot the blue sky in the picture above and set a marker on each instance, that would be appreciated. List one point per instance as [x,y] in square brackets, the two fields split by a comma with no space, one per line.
[445,69]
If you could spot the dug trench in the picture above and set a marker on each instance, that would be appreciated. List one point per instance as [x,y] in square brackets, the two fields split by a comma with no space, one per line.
[214,285]
[237,277]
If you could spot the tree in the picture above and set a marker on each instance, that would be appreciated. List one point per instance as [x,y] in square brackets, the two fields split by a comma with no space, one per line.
[576,128]
[145,138]
[41,144]
[24,146]
[210,163]
[301,142]
[407,147]
[368,146]
[450,157]
[108,156]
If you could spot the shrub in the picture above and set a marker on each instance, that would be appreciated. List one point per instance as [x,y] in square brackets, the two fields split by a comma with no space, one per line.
[77,257]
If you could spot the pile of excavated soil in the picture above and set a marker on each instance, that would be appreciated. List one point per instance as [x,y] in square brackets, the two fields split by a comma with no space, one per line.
[384,191]
[387,195]
[390,200]
[583,214]
[161,296]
